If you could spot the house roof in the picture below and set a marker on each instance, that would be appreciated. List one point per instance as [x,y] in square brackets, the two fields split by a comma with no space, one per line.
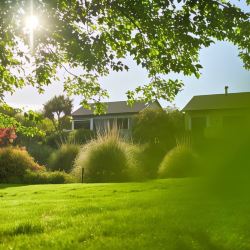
[219,101]
[113,108]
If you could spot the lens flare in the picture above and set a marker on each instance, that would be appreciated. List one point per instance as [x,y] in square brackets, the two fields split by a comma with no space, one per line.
[31,23]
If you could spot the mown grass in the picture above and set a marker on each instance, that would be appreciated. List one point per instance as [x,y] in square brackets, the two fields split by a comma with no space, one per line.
[163,214]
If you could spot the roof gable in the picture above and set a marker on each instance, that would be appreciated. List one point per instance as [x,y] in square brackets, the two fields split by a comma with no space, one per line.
[219,101]
[114,108]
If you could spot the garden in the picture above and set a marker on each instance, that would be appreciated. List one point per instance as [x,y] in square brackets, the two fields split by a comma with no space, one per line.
[157,148]
[160,188]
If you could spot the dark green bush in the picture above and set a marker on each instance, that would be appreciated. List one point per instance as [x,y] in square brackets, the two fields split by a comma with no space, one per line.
[40,152]
[25,140]
[179,162]
[65,123]
[148,159]
[158,128]
[105,159]
[156,131]
[80,136]
[13,164]
[44,177]
[56,139]
[64,157]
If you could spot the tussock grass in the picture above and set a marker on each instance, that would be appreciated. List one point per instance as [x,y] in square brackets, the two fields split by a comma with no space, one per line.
[180,162]
[108,158]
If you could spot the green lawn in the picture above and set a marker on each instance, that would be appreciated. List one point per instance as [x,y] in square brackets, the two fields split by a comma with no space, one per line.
[161,214]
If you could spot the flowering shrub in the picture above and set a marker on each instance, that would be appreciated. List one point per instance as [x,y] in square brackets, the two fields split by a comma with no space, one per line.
[7,135]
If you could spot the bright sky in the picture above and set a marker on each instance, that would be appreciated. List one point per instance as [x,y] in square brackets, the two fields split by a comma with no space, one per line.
[221,66]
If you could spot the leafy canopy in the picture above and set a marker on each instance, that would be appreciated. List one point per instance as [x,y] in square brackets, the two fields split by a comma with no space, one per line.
[24,122]
[95,36]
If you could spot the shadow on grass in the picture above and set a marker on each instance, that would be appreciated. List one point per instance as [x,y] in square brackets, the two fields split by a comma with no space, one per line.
[2,186]
[197,239]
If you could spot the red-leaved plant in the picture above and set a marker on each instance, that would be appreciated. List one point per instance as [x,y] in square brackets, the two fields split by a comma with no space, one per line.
[7,136]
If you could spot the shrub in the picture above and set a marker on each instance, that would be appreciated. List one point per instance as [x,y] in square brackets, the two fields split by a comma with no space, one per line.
[179,162]
[40,152]
[156,131]
[25,140]
[148,159]
[80,136]
[65,123]
[105,159]
[43,177]
[64,157]
[56,139]
[13,164]
[46,125]
[158,127]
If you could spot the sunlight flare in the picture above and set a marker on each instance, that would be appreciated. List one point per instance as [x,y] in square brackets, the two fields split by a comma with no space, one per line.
[31,23]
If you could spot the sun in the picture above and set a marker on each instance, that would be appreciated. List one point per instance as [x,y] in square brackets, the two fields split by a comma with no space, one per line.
[31,23]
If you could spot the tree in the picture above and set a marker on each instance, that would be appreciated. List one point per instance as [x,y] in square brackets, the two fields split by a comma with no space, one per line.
[162,36]
[57,109]
[158,127]
[158,130]
[23,122]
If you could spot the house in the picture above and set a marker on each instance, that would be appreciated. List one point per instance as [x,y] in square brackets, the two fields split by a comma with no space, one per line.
[211,115]
[118,114]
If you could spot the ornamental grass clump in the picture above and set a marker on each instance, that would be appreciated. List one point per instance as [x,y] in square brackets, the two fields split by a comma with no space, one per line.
[107,158]
[63,158]
[179,162]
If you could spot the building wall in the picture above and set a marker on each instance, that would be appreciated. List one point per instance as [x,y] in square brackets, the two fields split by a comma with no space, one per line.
[216,121]
[105,123]
[92,119]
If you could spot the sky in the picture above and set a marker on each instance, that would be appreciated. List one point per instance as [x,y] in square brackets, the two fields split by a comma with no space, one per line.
[221,67]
